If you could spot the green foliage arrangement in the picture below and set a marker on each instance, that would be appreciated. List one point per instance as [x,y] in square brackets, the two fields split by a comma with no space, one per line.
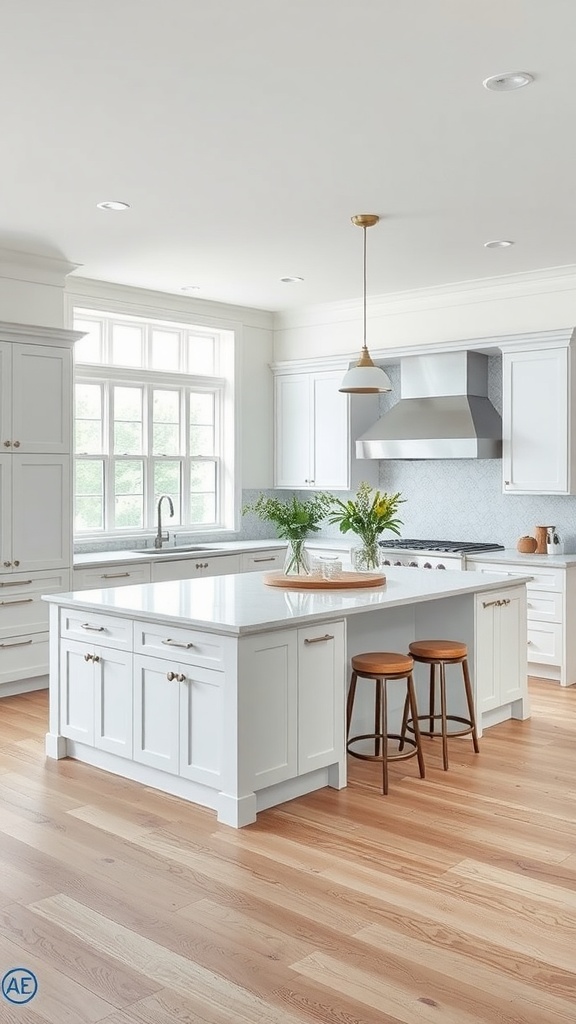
[368,515]
[293,519]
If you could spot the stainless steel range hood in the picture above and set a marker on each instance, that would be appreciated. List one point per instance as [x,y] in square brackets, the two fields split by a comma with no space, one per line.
[443,413]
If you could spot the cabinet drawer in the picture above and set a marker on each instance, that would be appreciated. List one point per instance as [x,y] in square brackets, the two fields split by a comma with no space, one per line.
[545,643]
[105,630]
[23,657]
[262,561]
[194,567]
[543,577]
[544,605]
[113,576]
[170,642]
[22,609]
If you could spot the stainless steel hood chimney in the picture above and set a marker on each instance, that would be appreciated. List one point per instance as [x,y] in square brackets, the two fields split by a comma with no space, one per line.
[443,413]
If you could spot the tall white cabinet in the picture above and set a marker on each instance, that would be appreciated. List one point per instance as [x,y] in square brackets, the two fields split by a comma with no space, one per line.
[316,428]
[538,416]
[36,373]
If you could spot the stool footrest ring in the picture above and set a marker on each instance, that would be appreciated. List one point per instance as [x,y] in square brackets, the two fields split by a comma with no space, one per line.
[449,718]
[379,757]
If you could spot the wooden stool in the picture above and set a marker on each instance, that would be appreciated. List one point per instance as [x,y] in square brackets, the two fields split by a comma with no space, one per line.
[441,653]
[382,668]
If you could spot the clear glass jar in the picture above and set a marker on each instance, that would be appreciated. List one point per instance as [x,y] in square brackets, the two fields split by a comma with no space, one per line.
[297,561]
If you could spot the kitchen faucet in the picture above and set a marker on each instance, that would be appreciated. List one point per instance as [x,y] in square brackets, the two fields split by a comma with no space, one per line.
[162,536]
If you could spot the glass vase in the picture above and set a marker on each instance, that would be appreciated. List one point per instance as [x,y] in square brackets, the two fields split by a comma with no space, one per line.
[297,559]
[367,557]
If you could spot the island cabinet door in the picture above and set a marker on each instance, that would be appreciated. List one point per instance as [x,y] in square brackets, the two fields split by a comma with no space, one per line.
[77,691]
[201,691]
[500,662]
[156,708]
[321,689]
[267,708]
[113,702]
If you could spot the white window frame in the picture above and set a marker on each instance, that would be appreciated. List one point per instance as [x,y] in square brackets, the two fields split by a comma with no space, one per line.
[222,386]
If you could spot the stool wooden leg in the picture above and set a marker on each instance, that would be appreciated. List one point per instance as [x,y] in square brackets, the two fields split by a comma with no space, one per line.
[470,700]
[384,730]
[432,696]
[443,713]
[411,698]
[404,722]
[377,717]
[350,702]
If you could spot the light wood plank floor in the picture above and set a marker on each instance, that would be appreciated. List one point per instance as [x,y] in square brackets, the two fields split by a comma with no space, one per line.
[451,901]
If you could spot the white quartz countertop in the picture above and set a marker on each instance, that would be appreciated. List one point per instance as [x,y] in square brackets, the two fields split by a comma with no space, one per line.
[512,557]
[242,603]
[93,559]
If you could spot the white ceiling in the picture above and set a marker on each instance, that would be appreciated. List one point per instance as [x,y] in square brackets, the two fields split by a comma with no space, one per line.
[245,133]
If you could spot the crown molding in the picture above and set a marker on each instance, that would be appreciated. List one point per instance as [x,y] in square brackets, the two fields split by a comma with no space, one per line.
[462,293]
[165,305]
[27,266]
[559,338]
[34,333]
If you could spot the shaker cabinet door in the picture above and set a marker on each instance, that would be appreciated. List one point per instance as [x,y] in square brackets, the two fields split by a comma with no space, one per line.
[41,399]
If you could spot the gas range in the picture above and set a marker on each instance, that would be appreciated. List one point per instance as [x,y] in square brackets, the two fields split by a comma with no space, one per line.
[431,554]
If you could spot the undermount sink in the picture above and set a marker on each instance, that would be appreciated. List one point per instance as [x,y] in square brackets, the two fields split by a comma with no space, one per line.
[195,549]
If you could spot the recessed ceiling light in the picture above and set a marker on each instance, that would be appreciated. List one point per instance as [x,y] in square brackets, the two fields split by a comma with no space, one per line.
[508,80]
[498,243]
[291,280]
[113,204]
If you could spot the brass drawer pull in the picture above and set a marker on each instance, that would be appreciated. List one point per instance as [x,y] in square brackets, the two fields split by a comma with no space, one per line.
[319,639]
[19,643]
[113,575]
[15,583]
[22,600]
[176,643]
[497,604]
[94,629]
[179,676]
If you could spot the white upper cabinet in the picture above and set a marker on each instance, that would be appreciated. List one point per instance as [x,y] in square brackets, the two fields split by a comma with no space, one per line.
[35,398]
[35,528]
[316,427]
[538,406]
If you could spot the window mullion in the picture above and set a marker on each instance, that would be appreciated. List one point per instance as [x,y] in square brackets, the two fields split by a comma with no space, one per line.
[109,458]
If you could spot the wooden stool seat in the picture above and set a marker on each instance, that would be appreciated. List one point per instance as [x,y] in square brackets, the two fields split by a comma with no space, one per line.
[438,650]
[378,663]
[439,654]
[383,667]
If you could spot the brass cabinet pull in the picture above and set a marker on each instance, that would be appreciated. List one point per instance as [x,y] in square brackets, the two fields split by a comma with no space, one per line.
[201,565]
[7,565]
[21,600]
[16,562]
[15,583]
[498,604]
[175,675]
[91,657]
[7,444]
[113,575]
[19,643]
[94,629]
[16,444]
[319,639]
[176,643]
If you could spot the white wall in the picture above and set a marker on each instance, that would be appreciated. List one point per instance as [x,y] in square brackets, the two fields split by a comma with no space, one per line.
[516,304]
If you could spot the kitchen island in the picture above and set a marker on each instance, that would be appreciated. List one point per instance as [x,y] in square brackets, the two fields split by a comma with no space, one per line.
[231,694]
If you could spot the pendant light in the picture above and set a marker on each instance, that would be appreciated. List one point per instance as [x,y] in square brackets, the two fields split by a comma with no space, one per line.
[365,378]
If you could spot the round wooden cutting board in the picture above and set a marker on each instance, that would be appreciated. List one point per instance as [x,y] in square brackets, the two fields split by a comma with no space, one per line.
[344,581]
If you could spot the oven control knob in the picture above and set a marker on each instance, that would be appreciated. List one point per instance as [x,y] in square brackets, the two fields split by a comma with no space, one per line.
[397,563]
[427,565]
[386,561]
[440,566]
[413,565]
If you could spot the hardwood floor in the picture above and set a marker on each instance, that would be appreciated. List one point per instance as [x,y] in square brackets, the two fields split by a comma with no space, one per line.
[451,901]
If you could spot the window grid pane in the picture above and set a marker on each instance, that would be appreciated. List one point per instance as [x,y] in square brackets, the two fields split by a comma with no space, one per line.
[166,422]
[168,480]
[128,421]
[128,493]
[203,505]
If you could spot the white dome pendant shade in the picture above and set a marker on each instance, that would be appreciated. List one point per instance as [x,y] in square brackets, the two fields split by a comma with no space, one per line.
[365,378]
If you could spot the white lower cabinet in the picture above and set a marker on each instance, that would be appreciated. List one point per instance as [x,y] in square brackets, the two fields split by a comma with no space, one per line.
[500,658]
[291,708]
[99,577]
[264,561]
[96,696]
[192,568]
[24,626]
[177,718]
